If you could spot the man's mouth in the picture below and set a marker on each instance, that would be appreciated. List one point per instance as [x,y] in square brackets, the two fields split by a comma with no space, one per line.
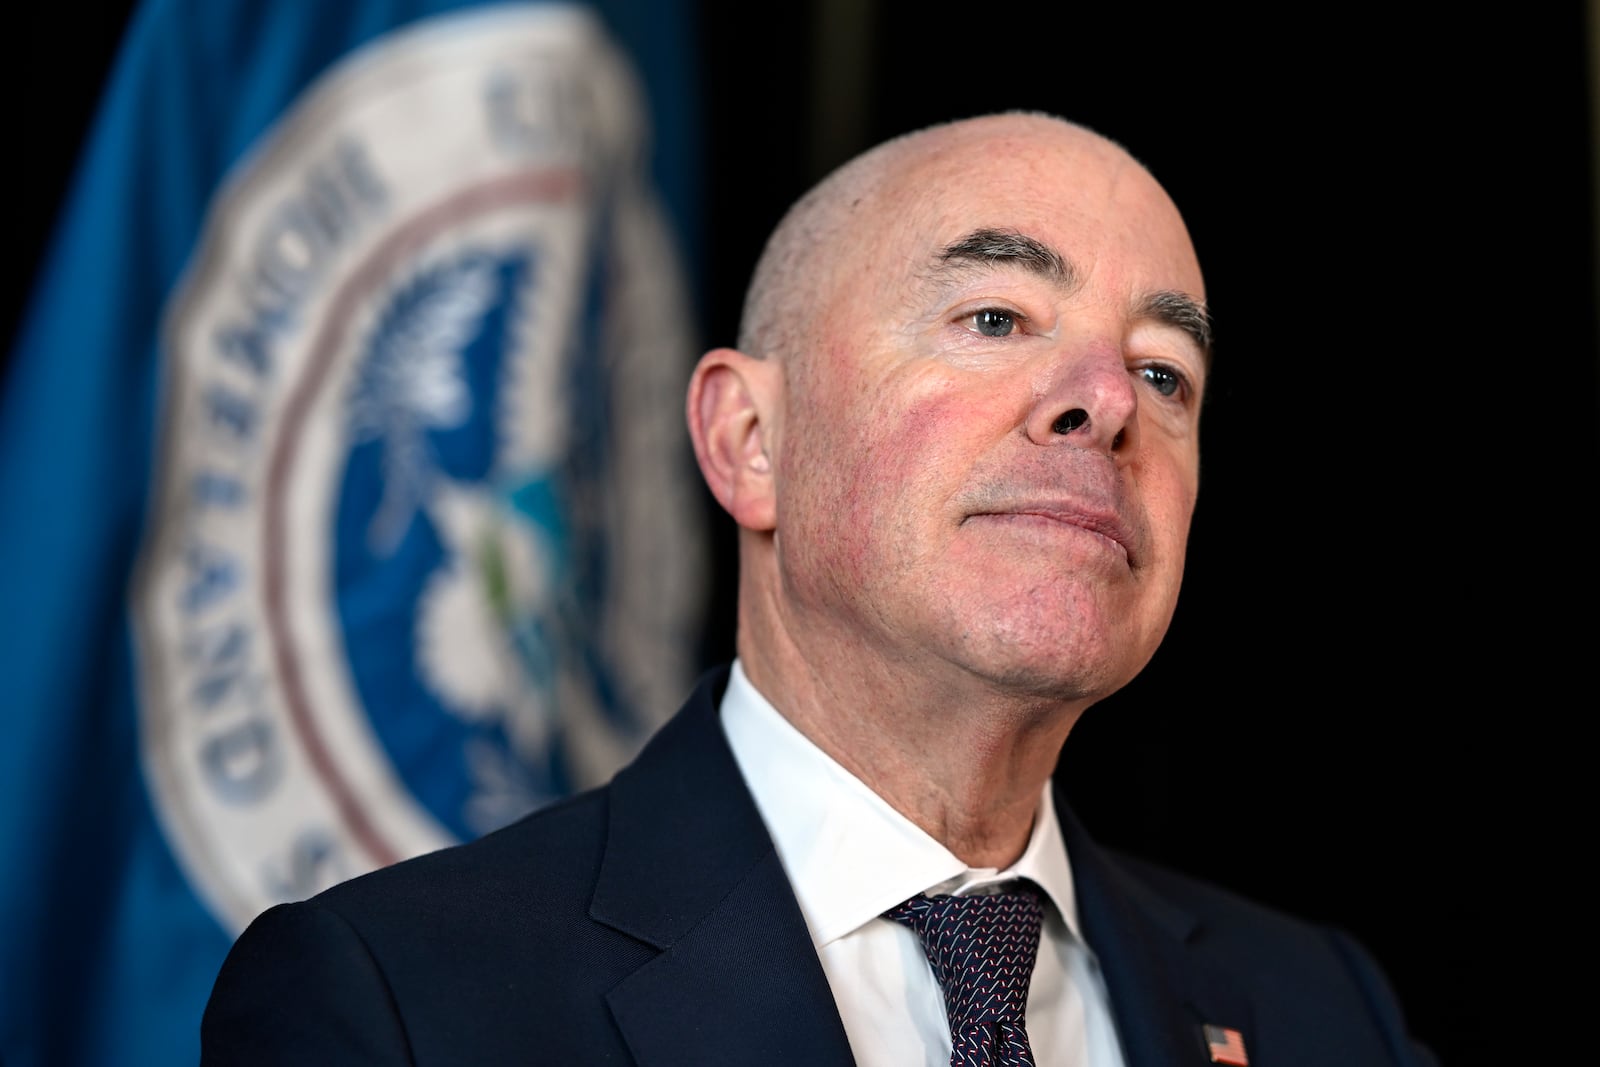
[1105,525]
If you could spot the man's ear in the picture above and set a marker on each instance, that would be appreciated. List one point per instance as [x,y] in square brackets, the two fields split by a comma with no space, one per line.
[732,403]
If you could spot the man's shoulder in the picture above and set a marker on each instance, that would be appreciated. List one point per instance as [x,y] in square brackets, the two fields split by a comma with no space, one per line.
[480,951]
[542,859]
[538,875]
[437,958]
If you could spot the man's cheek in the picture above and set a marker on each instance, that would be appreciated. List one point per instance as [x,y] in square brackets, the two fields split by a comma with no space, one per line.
[939,439]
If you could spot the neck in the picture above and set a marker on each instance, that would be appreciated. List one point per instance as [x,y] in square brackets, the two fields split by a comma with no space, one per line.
[963,759]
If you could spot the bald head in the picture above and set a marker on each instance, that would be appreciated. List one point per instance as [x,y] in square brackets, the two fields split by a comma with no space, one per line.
[799,263]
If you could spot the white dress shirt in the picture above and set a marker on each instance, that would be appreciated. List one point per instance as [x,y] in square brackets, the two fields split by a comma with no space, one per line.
[850,857]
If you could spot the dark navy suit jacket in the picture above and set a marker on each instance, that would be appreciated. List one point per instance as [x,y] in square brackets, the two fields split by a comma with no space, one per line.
[650,922]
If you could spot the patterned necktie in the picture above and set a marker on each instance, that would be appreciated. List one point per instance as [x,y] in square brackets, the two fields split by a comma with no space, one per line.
[982,950]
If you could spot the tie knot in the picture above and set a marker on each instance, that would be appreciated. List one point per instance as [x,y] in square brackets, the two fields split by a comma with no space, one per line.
[982,949]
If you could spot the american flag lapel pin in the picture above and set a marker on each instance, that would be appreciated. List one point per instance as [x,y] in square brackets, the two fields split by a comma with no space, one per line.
[1225,1046]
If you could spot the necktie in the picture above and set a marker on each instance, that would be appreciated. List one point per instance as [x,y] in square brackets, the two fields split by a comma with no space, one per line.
[982,950]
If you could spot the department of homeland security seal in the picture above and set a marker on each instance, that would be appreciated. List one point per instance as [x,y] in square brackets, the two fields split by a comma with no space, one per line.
[421,554]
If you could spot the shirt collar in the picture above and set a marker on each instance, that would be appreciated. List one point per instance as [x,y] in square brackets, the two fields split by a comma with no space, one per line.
[849,855]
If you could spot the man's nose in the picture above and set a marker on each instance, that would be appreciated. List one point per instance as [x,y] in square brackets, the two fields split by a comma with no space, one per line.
[1091,402]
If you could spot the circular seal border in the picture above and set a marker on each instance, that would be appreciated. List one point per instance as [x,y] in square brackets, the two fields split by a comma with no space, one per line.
[541,186]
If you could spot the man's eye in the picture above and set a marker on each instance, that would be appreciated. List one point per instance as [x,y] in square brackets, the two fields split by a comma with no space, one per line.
[992,322]
[1163,380]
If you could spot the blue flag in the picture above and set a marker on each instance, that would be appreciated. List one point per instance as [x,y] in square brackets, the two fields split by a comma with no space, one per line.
[347,509]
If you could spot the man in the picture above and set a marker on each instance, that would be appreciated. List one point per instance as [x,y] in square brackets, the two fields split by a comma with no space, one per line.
[960,440]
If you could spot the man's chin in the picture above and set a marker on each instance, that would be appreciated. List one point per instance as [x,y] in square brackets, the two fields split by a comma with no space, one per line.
[1079,641]
[1072,671]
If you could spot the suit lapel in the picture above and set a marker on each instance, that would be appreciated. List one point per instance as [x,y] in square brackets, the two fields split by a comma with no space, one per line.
[1161,992]
[690,869]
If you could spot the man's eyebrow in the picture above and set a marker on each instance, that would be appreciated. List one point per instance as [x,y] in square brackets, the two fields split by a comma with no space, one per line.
[994,247]
[988,247]
[1182,311]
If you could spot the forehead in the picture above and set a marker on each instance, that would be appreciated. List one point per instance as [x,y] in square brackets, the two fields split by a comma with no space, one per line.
[1075,192]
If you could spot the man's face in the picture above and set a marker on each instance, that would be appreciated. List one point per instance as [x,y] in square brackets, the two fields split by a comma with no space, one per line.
[988,459]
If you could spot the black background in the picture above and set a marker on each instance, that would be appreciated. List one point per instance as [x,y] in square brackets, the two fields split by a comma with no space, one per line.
[1368,707]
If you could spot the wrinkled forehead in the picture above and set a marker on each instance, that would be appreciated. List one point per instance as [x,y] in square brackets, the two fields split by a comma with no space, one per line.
[1067,188]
